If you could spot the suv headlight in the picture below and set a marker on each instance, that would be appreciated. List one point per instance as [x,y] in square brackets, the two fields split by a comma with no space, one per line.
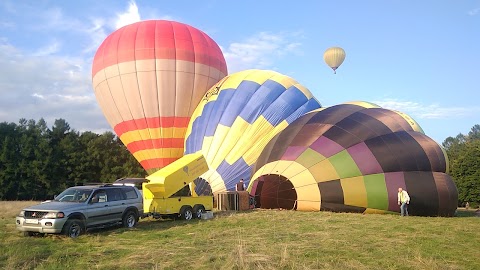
[22,213]
[54,215]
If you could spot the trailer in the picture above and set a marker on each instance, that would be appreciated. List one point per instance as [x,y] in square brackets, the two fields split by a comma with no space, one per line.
[170,192]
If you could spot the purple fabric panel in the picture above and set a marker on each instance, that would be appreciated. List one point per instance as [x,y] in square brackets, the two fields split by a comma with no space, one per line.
[326,147]
[393,181]
[293,152]
[364,158]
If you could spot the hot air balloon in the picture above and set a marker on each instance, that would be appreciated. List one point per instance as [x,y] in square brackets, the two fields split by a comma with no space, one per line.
[236,119]
[353,158]
[148,79]
[334,57]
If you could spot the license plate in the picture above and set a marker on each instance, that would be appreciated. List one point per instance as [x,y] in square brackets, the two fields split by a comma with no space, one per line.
[31,221]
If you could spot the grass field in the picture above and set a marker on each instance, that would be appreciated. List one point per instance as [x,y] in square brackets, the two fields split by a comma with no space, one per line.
[259,239]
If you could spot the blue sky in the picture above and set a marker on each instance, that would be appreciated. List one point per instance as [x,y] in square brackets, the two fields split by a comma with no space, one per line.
[419,57]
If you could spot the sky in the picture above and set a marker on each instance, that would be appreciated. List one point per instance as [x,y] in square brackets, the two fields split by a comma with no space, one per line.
[418,57]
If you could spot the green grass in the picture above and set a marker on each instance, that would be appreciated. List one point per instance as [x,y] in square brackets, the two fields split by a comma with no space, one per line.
[260,239]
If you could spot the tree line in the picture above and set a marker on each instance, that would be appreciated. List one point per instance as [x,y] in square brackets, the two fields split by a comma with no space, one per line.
[37,162]
[464,155]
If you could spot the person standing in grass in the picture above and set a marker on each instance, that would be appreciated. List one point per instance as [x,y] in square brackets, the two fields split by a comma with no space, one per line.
[403,201]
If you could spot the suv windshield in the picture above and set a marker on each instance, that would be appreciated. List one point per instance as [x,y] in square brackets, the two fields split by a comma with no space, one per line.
[74,195]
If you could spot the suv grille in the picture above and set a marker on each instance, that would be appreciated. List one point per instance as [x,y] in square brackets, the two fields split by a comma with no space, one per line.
[35,214]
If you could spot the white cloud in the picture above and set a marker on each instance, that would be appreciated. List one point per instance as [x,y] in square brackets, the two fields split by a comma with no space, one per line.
[49,49]
[130,16]
[427,111]
[49,87]
[260,50]
[474,12]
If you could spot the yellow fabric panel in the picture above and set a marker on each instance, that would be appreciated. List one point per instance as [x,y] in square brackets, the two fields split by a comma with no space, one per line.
[266,169]
[415,126]
[280,166]
[308,205]
[308,193]
[151,133]
[233,81]
[215,180]
[164,154]
[285,81]
[447,161]
[221,133]
[324,171]
[259,77]
[354,191]
[293,169]
[309,158]
[207,142]
[246,137]
[363,104]
[252,153]
[375,211]
[305,91]
[230,142]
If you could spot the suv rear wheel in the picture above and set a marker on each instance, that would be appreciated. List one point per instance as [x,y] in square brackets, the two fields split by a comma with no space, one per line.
[73,228]
[129,219]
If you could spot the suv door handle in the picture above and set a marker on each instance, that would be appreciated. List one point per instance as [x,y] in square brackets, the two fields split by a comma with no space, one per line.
[106,205]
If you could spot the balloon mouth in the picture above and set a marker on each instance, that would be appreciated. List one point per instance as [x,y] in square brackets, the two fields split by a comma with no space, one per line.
[275,191]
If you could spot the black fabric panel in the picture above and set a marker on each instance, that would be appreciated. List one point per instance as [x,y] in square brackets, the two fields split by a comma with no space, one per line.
[423,193]
[385,157]
[334,114]
[452,188]
[415,151]
[342,137]
[284,138]
[309,134]
[404,148]
[341,208]
[376,126]
[331,192]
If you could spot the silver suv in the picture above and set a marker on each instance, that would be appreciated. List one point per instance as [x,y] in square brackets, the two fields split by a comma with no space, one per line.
[83,207]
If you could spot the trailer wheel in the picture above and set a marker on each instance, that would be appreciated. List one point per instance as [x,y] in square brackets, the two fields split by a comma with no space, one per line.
[186,212]
[198,210]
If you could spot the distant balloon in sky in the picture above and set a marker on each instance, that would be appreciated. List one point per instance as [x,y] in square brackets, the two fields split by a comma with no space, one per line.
[148,79]
[353,158]
[236,119]
[334,57]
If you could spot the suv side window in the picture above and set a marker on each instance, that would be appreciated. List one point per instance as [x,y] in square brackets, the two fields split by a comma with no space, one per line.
[115,194]
[130,192]
[99,196]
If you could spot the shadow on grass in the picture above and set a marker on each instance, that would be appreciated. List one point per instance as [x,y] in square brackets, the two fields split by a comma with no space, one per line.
[151,224]
[467,213]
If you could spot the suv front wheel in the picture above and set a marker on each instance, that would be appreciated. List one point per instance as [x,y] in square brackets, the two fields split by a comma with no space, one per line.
[73,228]
[129,219]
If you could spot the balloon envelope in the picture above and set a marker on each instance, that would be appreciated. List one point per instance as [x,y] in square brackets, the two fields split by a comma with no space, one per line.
[353,158]
[334,57]
[148,78]
[237,118]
